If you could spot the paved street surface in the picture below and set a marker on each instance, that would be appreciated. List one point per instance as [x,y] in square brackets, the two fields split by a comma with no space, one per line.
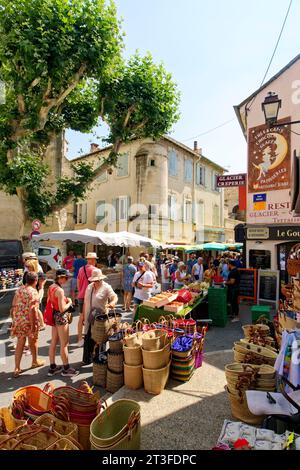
[187,416]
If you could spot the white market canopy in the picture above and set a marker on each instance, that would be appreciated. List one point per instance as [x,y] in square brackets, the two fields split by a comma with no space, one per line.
[122,239]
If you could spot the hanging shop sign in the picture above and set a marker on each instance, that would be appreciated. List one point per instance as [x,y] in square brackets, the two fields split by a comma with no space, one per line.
[231,181]
[269,175]
[268,286]
[248,284]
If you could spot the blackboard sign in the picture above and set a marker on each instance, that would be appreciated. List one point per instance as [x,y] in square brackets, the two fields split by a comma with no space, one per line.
[268,287]
[248,284]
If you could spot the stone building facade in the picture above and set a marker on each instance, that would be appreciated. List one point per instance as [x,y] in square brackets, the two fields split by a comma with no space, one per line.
[160,189]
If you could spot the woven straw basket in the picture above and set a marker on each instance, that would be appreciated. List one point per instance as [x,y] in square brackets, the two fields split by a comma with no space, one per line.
[99,374]
[133,356]
[156,380]
[156,359]
[133,376]
[114,381]
[240,410]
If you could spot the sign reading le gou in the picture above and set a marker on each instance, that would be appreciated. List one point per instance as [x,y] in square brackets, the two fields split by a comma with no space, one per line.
[231,181]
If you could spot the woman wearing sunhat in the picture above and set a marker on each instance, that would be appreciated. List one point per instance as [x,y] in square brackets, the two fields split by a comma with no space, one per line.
[99,297]
[60,331]
[82,283]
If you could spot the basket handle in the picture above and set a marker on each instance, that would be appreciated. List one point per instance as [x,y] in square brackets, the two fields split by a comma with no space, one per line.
[137,324]
[48,388]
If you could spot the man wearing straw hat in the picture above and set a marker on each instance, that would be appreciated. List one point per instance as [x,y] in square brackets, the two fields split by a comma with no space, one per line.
[84,273]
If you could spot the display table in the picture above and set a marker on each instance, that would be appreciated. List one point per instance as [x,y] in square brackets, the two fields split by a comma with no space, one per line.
[153,314]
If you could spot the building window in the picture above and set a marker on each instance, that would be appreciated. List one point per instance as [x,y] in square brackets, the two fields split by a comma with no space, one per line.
[81,214]
[187,211]
[152,162]
[200,214]
[100,211]
[173,163]
[123,208]
[153,210]
[200,175]
[216,216]
[214,182]
[122,165]
[172,208]
[188,171]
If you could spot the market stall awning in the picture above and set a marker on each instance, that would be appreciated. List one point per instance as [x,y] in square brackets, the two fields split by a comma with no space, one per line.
[214,246]
[237,246]
[186,248]
[84,236]
[128,239]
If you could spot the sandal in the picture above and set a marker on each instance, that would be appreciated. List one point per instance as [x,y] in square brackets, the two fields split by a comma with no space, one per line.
[17,373]
[37,364]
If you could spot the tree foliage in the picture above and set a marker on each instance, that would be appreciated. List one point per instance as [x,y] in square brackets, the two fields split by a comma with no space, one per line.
[61,62]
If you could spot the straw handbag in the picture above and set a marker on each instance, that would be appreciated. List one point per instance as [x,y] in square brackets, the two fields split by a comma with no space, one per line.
[253,354]
[154,340]
[102,327]
[32,402]
[251,330]
[63,428]
[133,376]
[8,421]
[240,410]
[117,427]
[32,435]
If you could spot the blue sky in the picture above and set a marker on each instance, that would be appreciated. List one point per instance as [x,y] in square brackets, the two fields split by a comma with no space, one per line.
[218,52]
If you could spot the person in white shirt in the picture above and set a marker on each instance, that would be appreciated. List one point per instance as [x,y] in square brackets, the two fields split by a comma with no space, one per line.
[143,283]
[181,276]
[165,276]
[198,270]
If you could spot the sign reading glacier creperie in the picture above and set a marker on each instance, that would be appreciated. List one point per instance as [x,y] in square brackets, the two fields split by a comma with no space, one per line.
[231,181]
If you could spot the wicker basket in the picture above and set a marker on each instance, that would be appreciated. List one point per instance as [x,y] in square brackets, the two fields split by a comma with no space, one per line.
[7,443]
[156,380]
[251,330]
[133,356]
[9,422]
[133,376]
[293,267]
[64,429]
[154,340]
[156,359]
[115,346]
[117,427]
[65,444]
[101,329]
[254,352]
[115,361]
[114,381]
[32,435]
[99,374]
[240,410]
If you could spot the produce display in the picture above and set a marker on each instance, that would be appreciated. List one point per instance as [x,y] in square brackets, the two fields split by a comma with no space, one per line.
[9,279]
[172,301]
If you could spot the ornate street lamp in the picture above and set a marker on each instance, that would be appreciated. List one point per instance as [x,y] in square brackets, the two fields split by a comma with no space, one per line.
[271,107]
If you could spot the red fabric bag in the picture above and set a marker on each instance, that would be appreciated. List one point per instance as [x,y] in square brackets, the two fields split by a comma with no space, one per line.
[184,296]
[48,314]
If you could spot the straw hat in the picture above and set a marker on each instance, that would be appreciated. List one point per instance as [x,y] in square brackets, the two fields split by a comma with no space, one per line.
[97,276]
[91,256]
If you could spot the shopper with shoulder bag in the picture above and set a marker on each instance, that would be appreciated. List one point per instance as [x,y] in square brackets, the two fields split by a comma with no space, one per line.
[62,309]
[99,298]
[84,274]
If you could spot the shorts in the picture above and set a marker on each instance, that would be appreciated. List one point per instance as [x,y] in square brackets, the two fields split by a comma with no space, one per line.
[61,319]
[73,284]
[137,301]
[80,303]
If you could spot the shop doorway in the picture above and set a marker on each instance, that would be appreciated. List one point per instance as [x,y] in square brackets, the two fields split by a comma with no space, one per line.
[283,251]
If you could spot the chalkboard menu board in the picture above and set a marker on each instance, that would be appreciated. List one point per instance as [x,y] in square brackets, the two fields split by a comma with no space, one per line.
[268,285]
[248,284]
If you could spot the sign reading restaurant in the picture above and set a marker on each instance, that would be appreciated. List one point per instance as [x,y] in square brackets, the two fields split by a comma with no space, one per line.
[231,181]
